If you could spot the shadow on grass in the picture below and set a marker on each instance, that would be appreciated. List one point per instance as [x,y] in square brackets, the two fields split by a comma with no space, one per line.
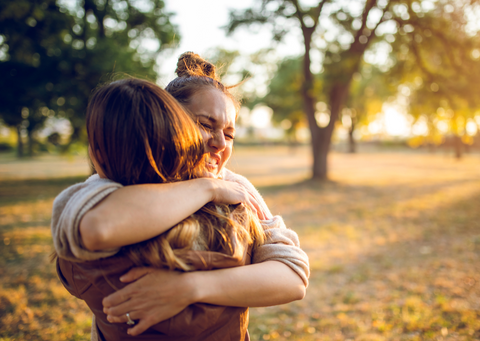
[327,184]
[30,190]
[422,283]
[308,183]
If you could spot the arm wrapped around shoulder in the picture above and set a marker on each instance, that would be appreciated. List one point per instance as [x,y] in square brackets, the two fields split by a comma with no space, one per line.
[69,208]
[282,245]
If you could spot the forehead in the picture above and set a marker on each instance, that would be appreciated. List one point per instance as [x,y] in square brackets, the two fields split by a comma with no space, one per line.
[215,105]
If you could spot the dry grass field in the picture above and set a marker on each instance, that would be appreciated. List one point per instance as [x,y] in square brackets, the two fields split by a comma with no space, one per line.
[393,240]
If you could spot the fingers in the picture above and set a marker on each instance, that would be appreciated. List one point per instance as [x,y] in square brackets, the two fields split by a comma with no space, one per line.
[256,207]
[119,297]
[134,274]
[125,293]
[139,328]
[119,319]
[251,206]
[120,309]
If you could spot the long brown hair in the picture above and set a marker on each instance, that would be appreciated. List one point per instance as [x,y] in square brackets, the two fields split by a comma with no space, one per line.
[140,134]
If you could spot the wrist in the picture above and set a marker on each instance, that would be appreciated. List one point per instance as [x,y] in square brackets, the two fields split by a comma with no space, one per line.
[198,286]
[208,185]
[193,288]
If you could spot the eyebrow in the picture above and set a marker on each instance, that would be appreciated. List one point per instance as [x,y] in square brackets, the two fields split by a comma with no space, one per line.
[213,120]
[208,117]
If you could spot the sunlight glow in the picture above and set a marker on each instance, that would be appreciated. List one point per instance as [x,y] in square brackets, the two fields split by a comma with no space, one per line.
[396,123]
[420,128]
[260,117]
[471,128]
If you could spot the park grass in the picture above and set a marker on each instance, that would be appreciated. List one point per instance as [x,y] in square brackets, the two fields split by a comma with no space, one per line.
[393,241]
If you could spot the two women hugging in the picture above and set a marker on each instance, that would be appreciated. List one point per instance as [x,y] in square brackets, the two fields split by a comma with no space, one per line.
[164,242]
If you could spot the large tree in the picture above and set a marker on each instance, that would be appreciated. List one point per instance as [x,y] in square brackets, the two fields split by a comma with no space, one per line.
[27,28]
[53,54]
[350,29]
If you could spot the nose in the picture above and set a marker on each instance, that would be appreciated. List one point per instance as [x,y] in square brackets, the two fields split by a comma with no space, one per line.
[217,141]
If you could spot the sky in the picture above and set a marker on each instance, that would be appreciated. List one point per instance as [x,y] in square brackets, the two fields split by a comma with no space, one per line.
[200,24]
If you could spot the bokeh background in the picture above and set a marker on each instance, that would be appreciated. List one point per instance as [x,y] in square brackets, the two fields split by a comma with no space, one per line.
[360,126]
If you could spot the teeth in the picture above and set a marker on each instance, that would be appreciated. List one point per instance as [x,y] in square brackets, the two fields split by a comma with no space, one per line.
[211,161]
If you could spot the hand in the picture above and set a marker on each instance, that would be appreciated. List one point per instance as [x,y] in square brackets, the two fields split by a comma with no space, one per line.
[227,192]
[154,296]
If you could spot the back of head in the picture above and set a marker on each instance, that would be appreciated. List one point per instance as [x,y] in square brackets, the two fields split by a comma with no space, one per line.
[139,134]
[195,74]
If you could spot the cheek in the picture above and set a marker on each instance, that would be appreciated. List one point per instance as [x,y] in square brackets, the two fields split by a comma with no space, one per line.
[227,152]
[205,136]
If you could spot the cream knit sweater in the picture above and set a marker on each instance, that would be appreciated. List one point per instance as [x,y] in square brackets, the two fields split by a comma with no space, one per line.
[73,203]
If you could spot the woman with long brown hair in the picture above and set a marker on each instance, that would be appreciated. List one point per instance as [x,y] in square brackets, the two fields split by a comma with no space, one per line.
[141,135]
[131,214]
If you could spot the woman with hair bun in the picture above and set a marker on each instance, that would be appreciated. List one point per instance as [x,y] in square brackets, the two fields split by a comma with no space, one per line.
[131,214]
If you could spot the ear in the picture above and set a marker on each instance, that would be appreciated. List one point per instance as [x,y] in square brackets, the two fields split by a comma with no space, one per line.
[98,157]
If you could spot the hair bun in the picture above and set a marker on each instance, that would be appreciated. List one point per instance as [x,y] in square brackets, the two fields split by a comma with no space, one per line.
[191,64]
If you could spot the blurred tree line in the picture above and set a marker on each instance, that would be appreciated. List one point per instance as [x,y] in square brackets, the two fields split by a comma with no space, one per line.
[53,53]
[365,53]
[431,51]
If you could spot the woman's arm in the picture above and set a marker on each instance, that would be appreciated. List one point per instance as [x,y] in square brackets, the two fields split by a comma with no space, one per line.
[133,214]
[161,294]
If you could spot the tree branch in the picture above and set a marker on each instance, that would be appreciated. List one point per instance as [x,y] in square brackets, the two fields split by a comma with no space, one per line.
[299,14]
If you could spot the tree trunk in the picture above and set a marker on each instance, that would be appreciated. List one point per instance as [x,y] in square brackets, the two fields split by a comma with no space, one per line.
[19,141]
[30,142]
[457,146]
[319,168]
[352,148]
[320,147]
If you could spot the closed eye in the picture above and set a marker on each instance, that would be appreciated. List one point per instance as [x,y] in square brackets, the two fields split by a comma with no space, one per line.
[206,126]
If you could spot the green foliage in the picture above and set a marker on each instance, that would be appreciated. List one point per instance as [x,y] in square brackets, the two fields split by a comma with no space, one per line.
[346,33]
[370,88]
[284,95]
[27,29]
[438,59]
[54,55]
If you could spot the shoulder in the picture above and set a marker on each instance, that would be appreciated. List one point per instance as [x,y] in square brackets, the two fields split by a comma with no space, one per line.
[228,175]
[94,184]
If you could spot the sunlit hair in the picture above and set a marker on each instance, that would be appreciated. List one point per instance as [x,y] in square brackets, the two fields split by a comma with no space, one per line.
[195,74]
[140,134]
[216,228]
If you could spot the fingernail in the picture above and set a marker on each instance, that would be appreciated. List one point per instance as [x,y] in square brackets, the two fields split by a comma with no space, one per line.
[122,278]
[109,318]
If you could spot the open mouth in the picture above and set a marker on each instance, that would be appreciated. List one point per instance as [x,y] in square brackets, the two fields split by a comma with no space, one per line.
[212,163]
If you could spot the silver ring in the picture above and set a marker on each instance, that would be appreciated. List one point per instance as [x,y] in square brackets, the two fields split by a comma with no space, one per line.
[130,321]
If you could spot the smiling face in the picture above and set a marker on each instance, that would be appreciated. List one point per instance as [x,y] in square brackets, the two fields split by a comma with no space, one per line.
[215,113]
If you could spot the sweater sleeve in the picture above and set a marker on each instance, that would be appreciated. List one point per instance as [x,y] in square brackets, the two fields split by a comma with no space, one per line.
[281,244]
[69,207]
